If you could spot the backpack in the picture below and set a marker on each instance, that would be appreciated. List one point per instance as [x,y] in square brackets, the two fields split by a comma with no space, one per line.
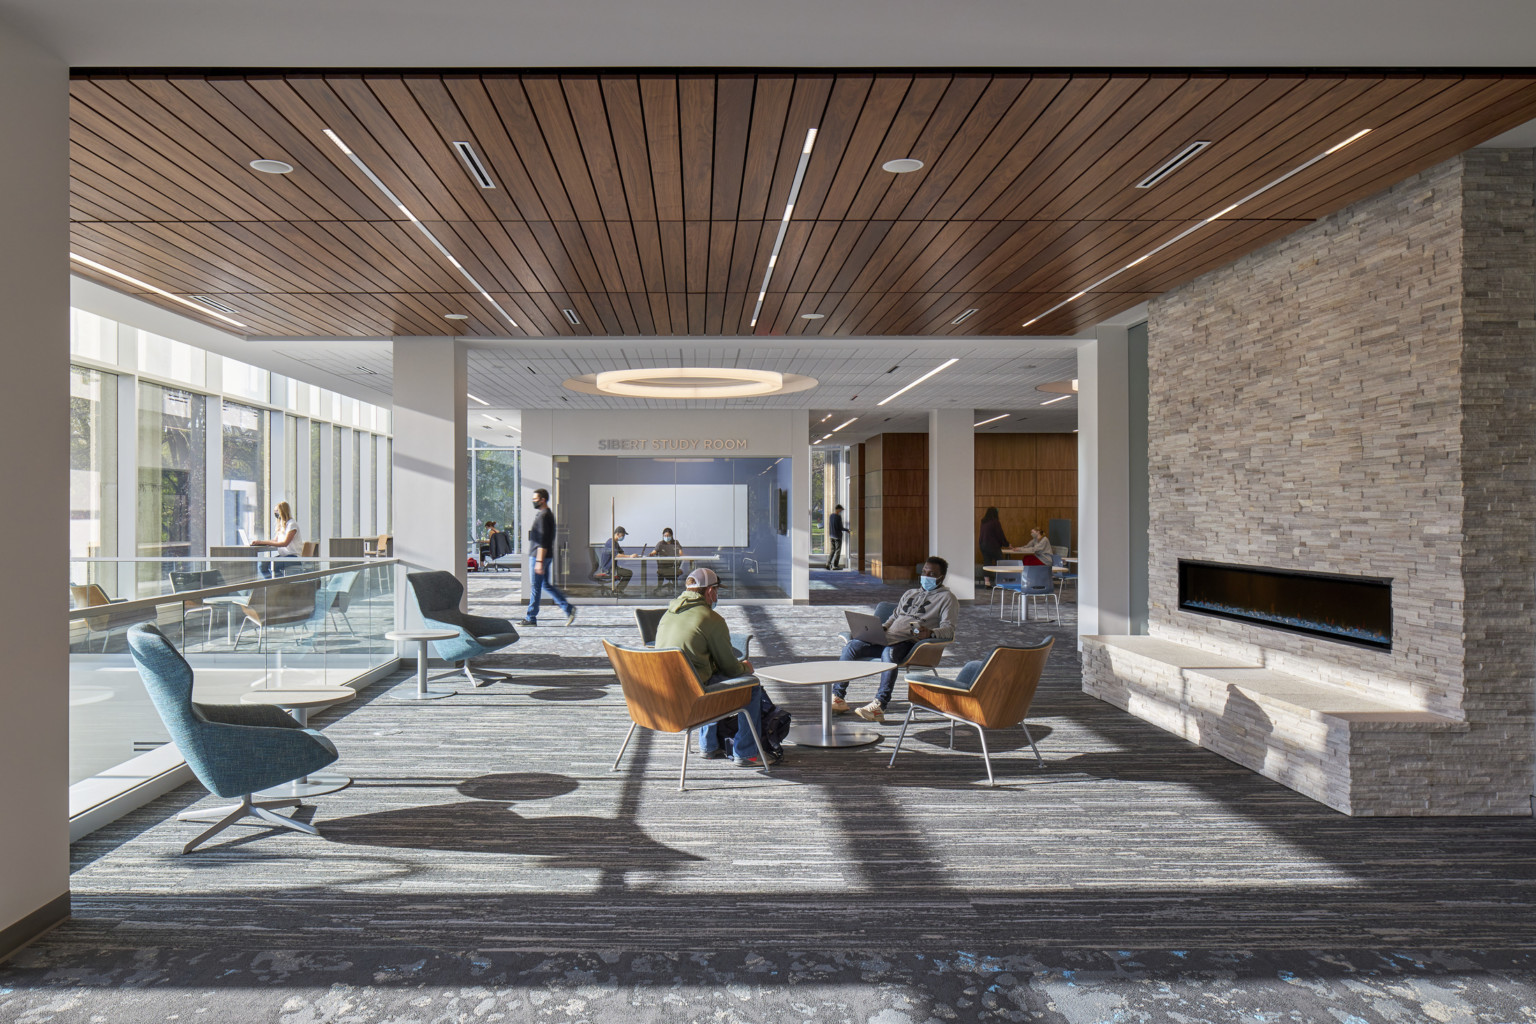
[773,727]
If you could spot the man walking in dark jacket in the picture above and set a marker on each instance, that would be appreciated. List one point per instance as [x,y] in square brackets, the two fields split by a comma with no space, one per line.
[835,531]
[541,541]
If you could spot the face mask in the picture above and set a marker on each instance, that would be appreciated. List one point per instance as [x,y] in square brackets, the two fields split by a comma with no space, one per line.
[667,537]
[928,582]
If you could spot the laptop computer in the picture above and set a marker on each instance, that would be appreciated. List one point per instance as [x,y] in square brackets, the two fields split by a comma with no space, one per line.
[243,538]
[866,627]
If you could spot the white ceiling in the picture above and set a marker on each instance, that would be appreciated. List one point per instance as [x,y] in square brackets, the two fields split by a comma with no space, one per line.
[791,33]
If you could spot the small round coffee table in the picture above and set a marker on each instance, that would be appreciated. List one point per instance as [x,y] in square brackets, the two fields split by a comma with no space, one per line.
[298,703]
[421,637]
[824,674]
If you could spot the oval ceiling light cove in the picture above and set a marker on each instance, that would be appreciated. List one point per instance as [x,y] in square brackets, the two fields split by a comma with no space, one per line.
[272,166]
[683,383]
[905,165]
[455,316]
[813,316]
[1059,387]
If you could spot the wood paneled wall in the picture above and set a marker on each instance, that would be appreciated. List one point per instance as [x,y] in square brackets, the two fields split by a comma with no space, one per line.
[1031,478]
[895,504]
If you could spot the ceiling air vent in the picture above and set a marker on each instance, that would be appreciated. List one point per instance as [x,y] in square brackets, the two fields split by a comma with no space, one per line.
[472,161]
[963,317]
[571,317]
[1173,163]
[213,303]
[365,369]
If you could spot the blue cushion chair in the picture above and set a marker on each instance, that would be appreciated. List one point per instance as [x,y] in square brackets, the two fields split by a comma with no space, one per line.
[1038,584]
[438,594]
[235,750]
[650,618]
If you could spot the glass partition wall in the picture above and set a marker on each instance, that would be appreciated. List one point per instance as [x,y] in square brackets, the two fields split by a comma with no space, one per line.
[729,514]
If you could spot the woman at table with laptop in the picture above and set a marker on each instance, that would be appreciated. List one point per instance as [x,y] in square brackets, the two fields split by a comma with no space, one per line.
[285,540]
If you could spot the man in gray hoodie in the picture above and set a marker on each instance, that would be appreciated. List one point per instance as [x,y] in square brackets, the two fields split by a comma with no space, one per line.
[923,612]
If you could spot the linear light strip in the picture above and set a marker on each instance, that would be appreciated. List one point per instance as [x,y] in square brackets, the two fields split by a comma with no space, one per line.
[994,419]
[789,208]
[1200,224]
[1053,401]
[841,425]
[472,398]
[158,291]
[368,172]
[909,387]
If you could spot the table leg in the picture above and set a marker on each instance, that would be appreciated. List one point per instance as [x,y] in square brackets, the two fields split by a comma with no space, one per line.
[422,691]
[829,735]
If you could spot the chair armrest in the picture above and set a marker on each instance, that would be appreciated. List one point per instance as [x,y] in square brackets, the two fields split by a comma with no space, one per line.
[261,715]
[440,624]
[938,684]
[844,636]
[730,684]
[741,643]
[485,625]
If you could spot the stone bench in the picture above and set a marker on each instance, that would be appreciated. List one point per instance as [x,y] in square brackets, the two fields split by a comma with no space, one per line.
[1313,737]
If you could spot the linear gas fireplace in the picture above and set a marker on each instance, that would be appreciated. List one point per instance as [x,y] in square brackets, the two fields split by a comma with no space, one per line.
[1346,609]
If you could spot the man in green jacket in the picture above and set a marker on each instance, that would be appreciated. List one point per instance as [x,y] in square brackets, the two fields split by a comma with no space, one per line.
[693,626]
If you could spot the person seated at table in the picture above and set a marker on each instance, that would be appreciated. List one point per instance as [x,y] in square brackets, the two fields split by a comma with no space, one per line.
[1039,547]
[926,611]
[667,547]
[285,539]
[692,625]
[488,542]
[608,566]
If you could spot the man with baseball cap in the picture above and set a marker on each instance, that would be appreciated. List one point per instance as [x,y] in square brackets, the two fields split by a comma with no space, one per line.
[692,625]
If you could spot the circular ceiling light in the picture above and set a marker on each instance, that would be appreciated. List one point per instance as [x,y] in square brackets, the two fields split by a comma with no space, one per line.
[813,316]
[271,166]
[906,165]
[688,382]
[1059,387]
[455,316]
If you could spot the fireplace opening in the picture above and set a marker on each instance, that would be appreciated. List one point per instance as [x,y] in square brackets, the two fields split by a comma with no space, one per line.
[1345,609]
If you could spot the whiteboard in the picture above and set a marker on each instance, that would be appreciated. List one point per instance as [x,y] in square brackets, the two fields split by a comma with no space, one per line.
[701,515]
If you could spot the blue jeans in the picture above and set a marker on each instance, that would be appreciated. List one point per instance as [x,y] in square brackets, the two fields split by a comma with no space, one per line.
[271,568]
[540,585]
[858,650]
[743,745]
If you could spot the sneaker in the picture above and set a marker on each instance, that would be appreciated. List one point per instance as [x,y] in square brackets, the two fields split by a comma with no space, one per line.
[840,706]
[871,712]
[747,762]
[713,755]
[570,616]
[527,622]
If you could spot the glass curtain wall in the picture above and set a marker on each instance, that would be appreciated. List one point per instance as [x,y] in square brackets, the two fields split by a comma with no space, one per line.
[291,469]
[495,480]
[93,492]
[173,472]
[312,522]
[245,469]
[337,434]
[829,489]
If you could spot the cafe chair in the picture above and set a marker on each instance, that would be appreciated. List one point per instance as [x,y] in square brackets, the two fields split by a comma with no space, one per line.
[235,750]
[182,582]
[994,694]
[280,604]
[438,594]
[1006,583]
[664,695]
[650,618]
[1038,583]
[108,620]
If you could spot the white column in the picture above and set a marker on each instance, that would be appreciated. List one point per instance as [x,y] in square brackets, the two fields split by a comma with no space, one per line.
[538,471]
[34,419]
[952,496]
[800,505]
[1104,485]
[431,378]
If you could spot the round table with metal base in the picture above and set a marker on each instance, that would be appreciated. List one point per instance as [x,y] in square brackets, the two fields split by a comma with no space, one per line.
[825,674]
[421,637]
[298,703]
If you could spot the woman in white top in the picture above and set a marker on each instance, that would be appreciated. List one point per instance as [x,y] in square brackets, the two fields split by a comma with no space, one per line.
[1039,545]
[285,538]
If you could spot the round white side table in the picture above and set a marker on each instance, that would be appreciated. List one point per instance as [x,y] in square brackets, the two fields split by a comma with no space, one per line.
[421,637]
[298,703]
[824,674]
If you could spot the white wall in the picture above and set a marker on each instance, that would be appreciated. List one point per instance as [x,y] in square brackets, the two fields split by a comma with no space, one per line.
[1104,484]
[34,420]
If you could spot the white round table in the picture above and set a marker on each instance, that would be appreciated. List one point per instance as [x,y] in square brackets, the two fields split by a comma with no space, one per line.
[824,674]
[298,702]
[421,637]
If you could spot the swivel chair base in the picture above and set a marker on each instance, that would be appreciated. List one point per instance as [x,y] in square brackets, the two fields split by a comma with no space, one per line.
[485,678]
[247,807]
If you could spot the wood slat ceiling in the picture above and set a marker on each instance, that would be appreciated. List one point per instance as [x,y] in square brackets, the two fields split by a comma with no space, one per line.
[648,204]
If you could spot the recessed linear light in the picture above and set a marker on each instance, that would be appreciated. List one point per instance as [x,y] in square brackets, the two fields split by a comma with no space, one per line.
[1200,224]
[218,304]
[151,288]
[1172,164]
[789,208]
[963,317]
[472,398]
[1053,401]
[825,418]
[272,166]
[841,425]
[994,419]
[455,316]
[571,317]
[909,387]
[905,165]
[472,161]
[394,199]
[493,419]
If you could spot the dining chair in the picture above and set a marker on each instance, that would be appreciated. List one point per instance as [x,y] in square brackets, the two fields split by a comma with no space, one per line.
[1038,584]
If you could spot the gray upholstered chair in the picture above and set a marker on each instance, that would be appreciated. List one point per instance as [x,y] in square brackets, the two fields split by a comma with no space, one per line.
[235,750]
[648,619]
[438,594]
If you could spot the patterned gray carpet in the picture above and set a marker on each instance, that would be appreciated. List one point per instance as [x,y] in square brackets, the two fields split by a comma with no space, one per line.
[487,865]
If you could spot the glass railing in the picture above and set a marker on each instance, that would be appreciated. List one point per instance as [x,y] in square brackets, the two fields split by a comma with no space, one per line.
[321,623]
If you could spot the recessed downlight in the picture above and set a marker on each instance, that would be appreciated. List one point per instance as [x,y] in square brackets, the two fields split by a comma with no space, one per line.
[905,165]
[272,166]
[455,316]
[813,316]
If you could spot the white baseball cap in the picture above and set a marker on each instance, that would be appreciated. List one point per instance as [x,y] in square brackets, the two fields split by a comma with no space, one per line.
[702,579]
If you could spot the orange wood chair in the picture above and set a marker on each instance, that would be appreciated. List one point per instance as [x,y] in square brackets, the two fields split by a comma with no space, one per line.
[664,695]
[997,698]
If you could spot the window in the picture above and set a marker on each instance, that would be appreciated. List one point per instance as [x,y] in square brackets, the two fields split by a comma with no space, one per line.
[92,465]
[336,442]
[316,495]
[291,469]
[246,381]
[173,470]
[92,337]
[494,485]
[357,482]
[162,357]
[245,473]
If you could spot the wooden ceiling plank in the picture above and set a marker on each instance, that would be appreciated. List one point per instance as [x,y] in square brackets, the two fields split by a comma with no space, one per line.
[992,126]
[1090,256]
[924,96]
[843,311]
[600,245]
[144,202]
[661,313]
[677,309]
[468,242]
[854,255]
[128,252]
[674,254]
[950,233]
[526,136]
[663,135]
[770,108]
[714,313]
[647,235]
[111,208]
[640,306]
[528,313]
[1059,237]
[504,162]
[448,125]
[546,101]
[738,314]
[859,165]
[973,243]
[998,263]
[965,92]
[529,247]
[85,210]
[696,119]
[572,237]
[904,254]
[524,277]
[265,256]
[617,306]
[850,93]
[807,105]
[594,132]
[104,155]
[407,254]
[626,249]
[722,243]
[696,249]
[733,126]
[749,251]
[797,235]
[893,243]
[392,108]
[811,256]
[626,124]
[550,306]
[695,303]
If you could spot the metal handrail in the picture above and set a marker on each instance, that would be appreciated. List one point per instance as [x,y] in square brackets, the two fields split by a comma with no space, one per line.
[150,603]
